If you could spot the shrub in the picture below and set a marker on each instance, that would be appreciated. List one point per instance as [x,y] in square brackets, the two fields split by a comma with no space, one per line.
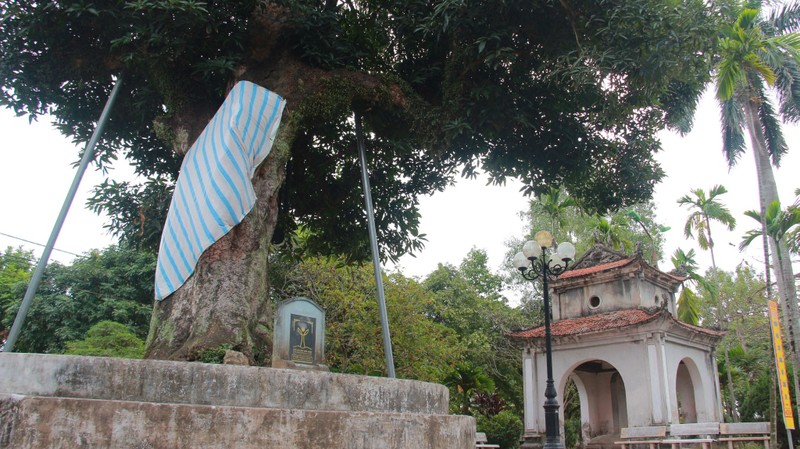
[504,428]
[108,339]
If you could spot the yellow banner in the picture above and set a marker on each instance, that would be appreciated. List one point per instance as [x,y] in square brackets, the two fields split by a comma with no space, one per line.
[777,343]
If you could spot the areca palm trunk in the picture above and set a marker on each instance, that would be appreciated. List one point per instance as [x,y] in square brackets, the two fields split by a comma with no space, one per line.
[731,392]
[767,193]
[734,411]
[711,244]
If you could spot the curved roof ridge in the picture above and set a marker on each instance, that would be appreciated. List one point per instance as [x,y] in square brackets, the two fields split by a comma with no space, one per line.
[600,322]
[596,268]
[592,323]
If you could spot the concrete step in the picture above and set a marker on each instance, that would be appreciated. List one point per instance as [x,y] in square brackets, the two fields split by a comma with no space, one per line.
[165,381]
[86,402]
[603,442]
[36,422]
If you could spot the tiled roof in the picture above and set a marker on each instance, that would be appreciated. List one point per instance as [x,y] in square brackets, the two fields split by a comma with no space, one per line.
[699,329]
[603,322]
[595,269]
[592,323]
[677,277]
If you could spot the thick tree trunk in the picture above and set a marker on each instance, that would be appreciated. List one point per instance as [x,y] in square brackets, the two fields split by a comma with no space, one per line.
[225,303]
[784,277]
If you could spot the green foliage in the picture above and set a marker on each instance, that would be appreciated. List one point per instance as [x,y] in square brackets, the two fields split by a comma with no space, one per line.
[793,235]
[475,270]
[16,266]
[115,284]
[423,349]
[555,204]
[480,319]
[572,431]
[755,403]
[685,262]
[213,355]
[623,229]
[779,223]
[741,303]
[704,209]
[754,51]
[467,380]
[572,416]
[504,429]
[565,94]
[688,307]
[108,339]
[137,213]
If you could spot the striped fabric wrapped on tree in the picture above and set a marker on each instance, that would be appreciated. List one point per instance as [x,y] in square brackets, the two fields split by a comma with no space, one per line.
[214,190]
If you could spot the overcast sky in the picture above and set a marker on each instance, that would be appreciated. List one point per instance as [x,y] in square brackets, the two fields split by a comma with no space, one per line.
[472,214]
[36,172]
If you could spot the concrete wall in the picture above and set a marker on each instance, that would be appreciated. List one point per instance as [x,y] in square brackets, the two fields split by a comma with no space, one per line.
[53,423]
[701,368]
[626,293]
[208,384]
[85,402]
[648,364]
[628,356]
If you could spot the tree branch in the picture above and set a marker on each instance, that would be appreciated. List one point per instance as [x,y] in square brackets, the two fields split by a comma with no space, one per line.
[571,16]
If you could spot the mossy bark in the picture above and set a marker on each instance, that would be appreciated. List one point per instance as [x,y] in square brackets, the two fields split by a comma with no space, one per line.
[226,300]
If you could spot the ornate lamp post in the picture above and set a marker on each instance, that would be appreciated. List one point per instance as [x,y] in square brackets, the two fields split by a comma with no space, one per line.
[534,262]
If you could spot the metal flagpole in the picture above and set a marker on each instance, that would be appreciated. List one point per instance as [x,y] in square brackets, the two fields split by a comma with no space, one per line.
[88,155]
[373,240]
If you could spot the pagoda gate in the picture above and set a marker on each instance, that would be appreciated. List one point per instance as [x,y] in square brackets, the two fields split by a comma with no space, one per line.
[616,335]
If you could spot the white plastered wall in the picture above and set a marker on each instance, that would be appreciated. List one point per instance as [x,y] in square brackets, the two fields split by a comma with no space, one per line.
[648,365]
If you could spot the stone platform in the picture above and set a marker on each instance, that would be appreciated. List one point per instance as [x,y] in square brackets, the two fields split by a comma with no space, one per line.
[56,401]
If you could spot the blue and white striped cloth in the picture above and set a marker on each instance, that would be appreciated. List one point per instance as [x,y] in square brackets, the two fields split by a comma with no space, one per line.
[215,190]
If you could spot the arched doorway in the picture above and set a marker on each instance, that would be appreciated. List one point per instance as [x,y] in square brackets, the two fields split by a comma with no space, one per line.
[685,392]
[619,402]
[603,401]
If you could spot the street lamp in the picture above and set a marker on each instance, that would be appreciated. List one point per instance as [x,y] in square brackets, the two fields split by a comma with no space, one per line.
[534,262]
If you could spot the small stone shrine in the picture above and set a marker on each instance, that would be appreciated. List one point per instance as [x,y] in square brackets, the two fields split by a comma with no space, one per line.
[299,335]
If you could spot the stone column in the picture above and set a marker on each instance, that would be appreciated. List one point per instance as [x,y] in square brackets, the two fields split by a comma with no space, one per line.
[532,396]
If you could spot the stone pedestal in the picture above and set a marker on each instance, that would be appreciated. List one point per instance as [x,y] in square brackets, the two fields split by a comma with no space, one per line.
[532,440]
[51,401]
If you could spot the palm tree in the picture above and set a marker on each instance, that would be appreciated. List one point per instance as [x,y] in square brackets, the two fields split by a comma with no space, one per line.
[704,209]
[757,53]
[688,302]
[685,263]
[467,379]
[779,224]
[555,205]
[610,233]
[636,218]
[793,236]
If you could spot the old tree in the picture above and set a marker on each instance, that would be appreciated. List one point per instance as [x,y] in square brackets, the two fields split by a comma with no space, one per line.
[557,93]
